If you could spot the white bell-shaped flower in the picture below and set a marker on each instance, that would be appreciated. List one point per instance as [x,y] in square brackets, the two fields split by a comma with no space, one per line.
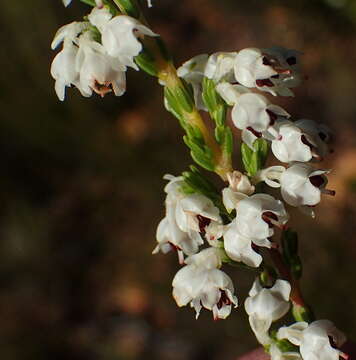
[302,185]
[252,113]
[120,38]
[241,248]
[192,71]
[63,69]
[314,339]
[169,235]
[202,284]
[269,70]
[99,72]
[293,144]
[258,214]
[197,215]
[220,66]
[256,112]
[265,305]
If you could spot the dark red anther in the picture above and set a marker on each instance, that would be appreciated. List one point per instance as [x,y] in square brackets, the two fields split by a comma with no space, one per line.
[224,300]
[306,142]
[203,223]
[254,132]
[292,60]
[268,217]
[275,76]
[317,180]
[264,82]
[322,136]
[272,116]
[265,61]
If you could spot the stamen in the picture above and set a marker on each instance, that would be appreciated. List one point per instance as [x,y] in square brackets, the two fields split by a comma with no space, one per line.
[272,220]
[254,132]
[224,300]
[283,71]
[264,82]
[317,180]
[265,61]
[203,223]
[328,192]
[101,89]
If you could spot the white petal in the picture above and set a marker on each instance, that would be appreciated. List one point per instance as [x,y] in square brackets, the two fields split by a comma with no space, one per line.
[239,248]
[293,333]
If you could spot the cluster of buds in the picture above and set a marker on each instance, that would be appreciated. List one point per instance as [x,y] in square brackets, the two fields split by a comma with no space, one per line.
[96,53]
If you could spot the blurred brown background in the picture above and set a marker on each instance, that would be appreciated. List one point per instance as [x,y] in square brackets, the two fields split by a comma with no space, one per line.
[82,191]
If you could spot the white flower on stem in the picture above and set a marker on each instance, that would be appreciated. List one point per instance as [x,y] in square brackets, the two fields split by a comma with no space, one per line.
[192,71]
[239,188]
[241,248]
[197,215]
[120,38]
[63,67]
[258,214]
[202,284]
[314,339]
[302,185]
[220,66]
[271,70]
[294,144]
[264,306]
[99,72]
[277,354]
[169,235]
[252,113]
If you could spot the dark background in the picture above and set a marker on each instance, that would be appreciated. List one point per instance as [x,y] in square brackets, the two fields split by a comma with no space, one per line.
[81,185]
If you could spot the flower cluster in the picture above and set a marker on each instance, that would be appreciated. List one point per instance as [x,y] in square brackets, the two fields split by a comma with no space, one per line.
[96,53]
[237,76]
[236,225]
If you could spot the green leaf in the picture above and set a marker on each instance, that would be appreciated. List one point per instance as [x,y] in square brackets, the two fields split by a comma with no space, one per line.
[289,242]
[146,62]
[89,2]
[227,145]
[184,96]
[197,183]
[254,160]
[172,106]
[128,7]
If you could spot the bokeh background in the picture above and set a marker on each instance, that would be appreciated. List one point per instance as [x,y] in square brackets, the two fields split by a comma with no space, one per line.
[82,191]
